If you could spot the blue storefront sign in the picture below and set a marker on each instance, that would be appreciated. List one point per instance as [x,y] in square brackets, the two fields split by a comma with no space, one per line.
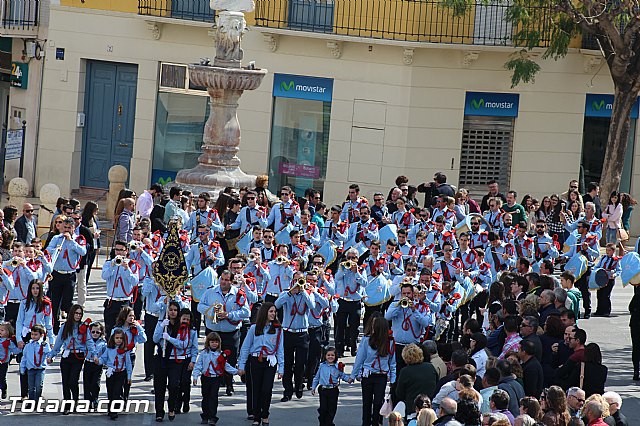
[599,105]
[303,87]
[491,104]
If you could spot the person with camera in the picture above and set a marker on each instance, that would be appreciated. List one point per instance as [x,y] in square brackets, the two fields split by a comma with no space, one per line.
[296,302]
[121,281]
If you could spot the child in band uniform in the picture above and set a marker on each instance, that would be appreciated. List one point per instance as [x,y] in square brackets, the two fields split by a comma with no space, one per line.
[92,372]
[117,359]
[34,361]
[327,380]
[7,348]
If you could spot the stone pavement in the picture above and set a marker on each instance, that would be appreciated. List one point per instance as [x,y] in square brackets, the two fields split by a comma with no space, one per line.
[611,333]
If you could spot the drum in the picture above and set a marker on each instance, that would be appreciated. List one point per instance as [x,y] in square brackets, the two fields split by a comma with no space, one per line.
[386,233]
[569,242]
[465,225]
[329,251]
[361,248]
[201,282]
[577,265]
[244,242]
[535,267]
[630,265]
[599,278]
[377,291]
[282,236]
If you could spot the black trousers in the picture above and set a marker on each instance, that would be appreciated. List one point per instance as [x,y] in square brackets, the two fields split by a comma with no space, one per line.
[634,327]
[231,342]
[167,376]
[150,323]
[348,314]
[115,386]
[480,301]
[91,258]
[11,314]
[138,303]
[260,380]
[24,379]
[210,388]
[314,355]
[127,386]
[296,348]
[62,288]
[197,317]
[373,389]
[603,296]
[583,286]
[91,380]
[328,405]
[70,368]
[4,366]
[111,311]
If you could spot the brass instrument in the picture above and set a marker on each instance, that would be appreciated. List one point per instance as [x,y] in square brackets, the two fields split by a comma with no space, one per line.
[217,308]
[405,302]
[119,260]
[133,244]
[348,264]
[300,282]
[309,287]
[422,288]
[281,260]
[15,262]
[38,253]
[252,257]
[238,279]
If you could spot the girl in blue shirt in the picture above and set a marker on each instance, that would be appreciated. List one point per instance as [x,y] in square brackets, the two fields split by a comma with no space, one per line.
[117,359]
[262,352]
[375,364]
[7,348]
[134,334]
[34,361]
[211,365]
[93,372]
[328,379]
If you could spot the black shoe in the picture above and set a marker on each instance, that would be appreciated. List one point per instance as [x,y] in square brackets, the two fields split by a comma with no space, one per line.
[172,418]
[308,386]
[148,378]
[229,391]
[353,352]
[66,412]
[178,410]
[186,408]
[4,394]
[636,377]
[204,421]
[285,399]
[299,393]
[158,419]
[587,315]
[113,416]
[249,417]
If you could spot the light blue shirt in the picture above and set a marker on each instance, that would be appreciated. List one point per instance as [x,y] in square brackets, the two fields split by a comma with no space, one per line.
[12,349]
[110,358]
[27,318]
[270,346]
[243,224]
[280,277]
[199,217]
[296,310]
[34,356]
[70,252]
[237,311]
[407,324]
[22,276]
[207,363]
[368,361]
[140,336]
[6,286]
[120,280]
[320,304]
[282,213]
[328,375]
[73,344]
[350,285]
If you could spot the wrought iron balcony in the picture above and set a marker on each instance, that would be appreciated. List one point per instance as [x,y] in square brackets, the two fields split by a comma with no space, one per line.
[191,10]
[19,16]
[403,20]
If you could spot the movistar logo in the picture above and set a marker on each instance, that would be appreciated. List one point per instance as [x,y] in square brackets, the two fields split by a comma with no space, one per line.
[477,104]
[598,106]
[286,87]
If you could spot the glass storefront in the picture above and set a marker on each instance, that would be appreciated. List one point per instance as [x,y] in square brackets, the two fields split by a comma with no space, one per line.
[299,132]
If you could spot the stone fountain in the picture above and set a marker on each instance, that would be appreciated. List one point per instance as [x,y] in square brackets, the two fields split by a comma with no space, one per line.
[225,80]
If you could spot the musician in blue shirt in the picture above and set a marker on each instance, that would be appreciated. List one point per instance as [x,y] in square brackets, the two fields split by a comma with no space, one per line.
[611,264]
[286,211]
[363,231]
[350,283]
[66,253]
[204,215]
[249,215]
[120,284]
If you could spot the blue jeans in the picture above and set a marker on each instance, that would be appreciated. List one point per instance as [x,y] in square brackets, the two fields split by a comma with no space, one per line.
[611,235]
[36,380]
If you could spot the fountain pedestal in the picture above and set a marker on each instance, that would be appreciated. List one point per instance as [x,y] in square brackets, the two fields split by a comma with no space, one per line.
[226,81]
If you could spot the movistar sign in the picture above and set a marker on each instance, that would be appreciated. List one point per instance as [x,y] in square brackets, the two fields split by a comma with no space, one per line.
[602,105]
[491,104]
[302,87]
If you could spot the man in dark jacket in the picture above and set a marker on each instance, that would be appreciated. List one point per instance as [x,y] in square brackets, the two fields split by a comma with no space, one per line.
[439,186]
[509,384]
[532,374]
[447,413]
[25,225]
[529,331]
[494,191]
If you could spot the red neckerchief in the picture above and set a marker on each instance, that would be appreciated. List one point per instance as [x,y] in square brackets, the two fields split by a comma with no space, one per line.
[17,281]
[295,309]
[407,324]
[46,310]
[5,344]
[80,240]
[184,332]
[264,351]
[221,361]
[83,330]
[133,329]
[340,368]
[120,351]
[347,289]
[38,362]
[34,264]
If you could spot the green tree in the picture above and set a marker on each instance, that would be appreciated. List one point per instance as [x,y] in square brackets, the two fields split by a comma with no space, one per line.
[552,24]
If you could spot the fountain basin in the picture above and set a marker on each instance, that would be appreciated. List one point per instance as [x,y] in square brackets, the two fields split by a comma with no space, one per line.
[213,77]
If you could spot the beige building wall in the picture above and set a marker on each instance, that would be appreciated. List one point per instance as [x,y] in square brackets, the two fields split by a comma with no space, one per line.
[387,118]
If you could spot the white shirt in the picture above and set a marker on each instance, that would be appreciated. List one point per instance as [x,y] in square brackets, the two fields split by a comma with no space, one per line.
[144,204]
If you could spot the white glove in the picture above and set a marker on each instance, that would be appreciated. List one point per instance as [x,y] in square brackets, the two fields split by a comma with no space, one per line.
[109,372]
[165,323]
[165,336]
[25,331]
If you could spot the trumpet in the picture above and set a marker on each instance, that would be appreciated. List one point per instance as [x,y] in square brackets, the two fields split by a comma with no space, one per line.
[348,264]
[252,257]
[133,244]
[38,253]
[238,279]
[300,282]
[422,288]
[281,260]
[216,308]
[15,262]
[405,302]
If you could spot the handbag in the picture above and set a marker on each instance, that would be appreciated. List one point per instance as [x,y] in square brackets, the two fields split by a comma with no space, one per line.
[387,407]
[582,365]
[623,235]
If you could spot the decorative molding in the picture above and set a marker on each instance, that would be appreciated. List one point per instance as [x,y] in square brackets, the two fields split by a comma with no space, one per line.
[336,48]
[155,28]
[407,56]
[271,40]
[469,57]
[591,62]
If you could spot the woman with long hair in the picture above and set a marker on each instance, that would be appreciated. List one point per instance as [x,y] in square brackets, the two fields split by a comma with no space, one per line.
[89,219]
[545,208]
[170,326]
[75,342]
[553,334]
[628,203]
[613,214]
[478,352]
[593,372]
[555,219]
[556,407]
[262,353]
[134,334]
[375,364]
[531,407]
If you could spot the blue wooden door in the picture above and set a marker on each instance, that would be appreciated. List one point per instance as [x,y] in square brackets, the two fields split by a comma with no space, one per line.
[110,104]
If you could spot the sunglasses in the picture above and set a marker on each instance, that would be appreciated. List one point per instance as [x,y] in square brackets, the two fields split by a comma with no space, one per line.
[448,251]
[318,263]
[29,211]
[285,193]
[377,199]
[96,332]
[411,270]
[539,226]
[251,198]
[202,233]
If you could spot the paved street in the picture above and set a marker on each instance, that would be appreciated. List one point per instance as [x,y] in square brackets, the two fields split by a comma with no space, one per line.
[612,334]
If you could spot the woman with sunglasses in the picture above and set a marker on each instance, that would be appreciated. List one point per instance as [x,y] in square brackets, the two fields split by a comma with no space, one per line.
[75,342]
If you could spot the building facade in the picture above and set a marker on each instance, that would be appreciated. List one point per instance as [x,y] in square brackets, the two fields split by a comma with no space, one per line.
[358,91]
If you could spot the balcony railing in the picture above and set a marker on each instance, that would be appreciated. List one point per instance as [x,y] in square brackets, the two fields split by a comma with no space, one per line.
[20,14]
[192,10]
[404,20]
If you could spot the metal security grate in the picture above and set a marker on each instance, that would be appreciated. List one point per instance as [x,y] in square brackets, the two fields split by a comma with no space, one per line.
[486,152]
